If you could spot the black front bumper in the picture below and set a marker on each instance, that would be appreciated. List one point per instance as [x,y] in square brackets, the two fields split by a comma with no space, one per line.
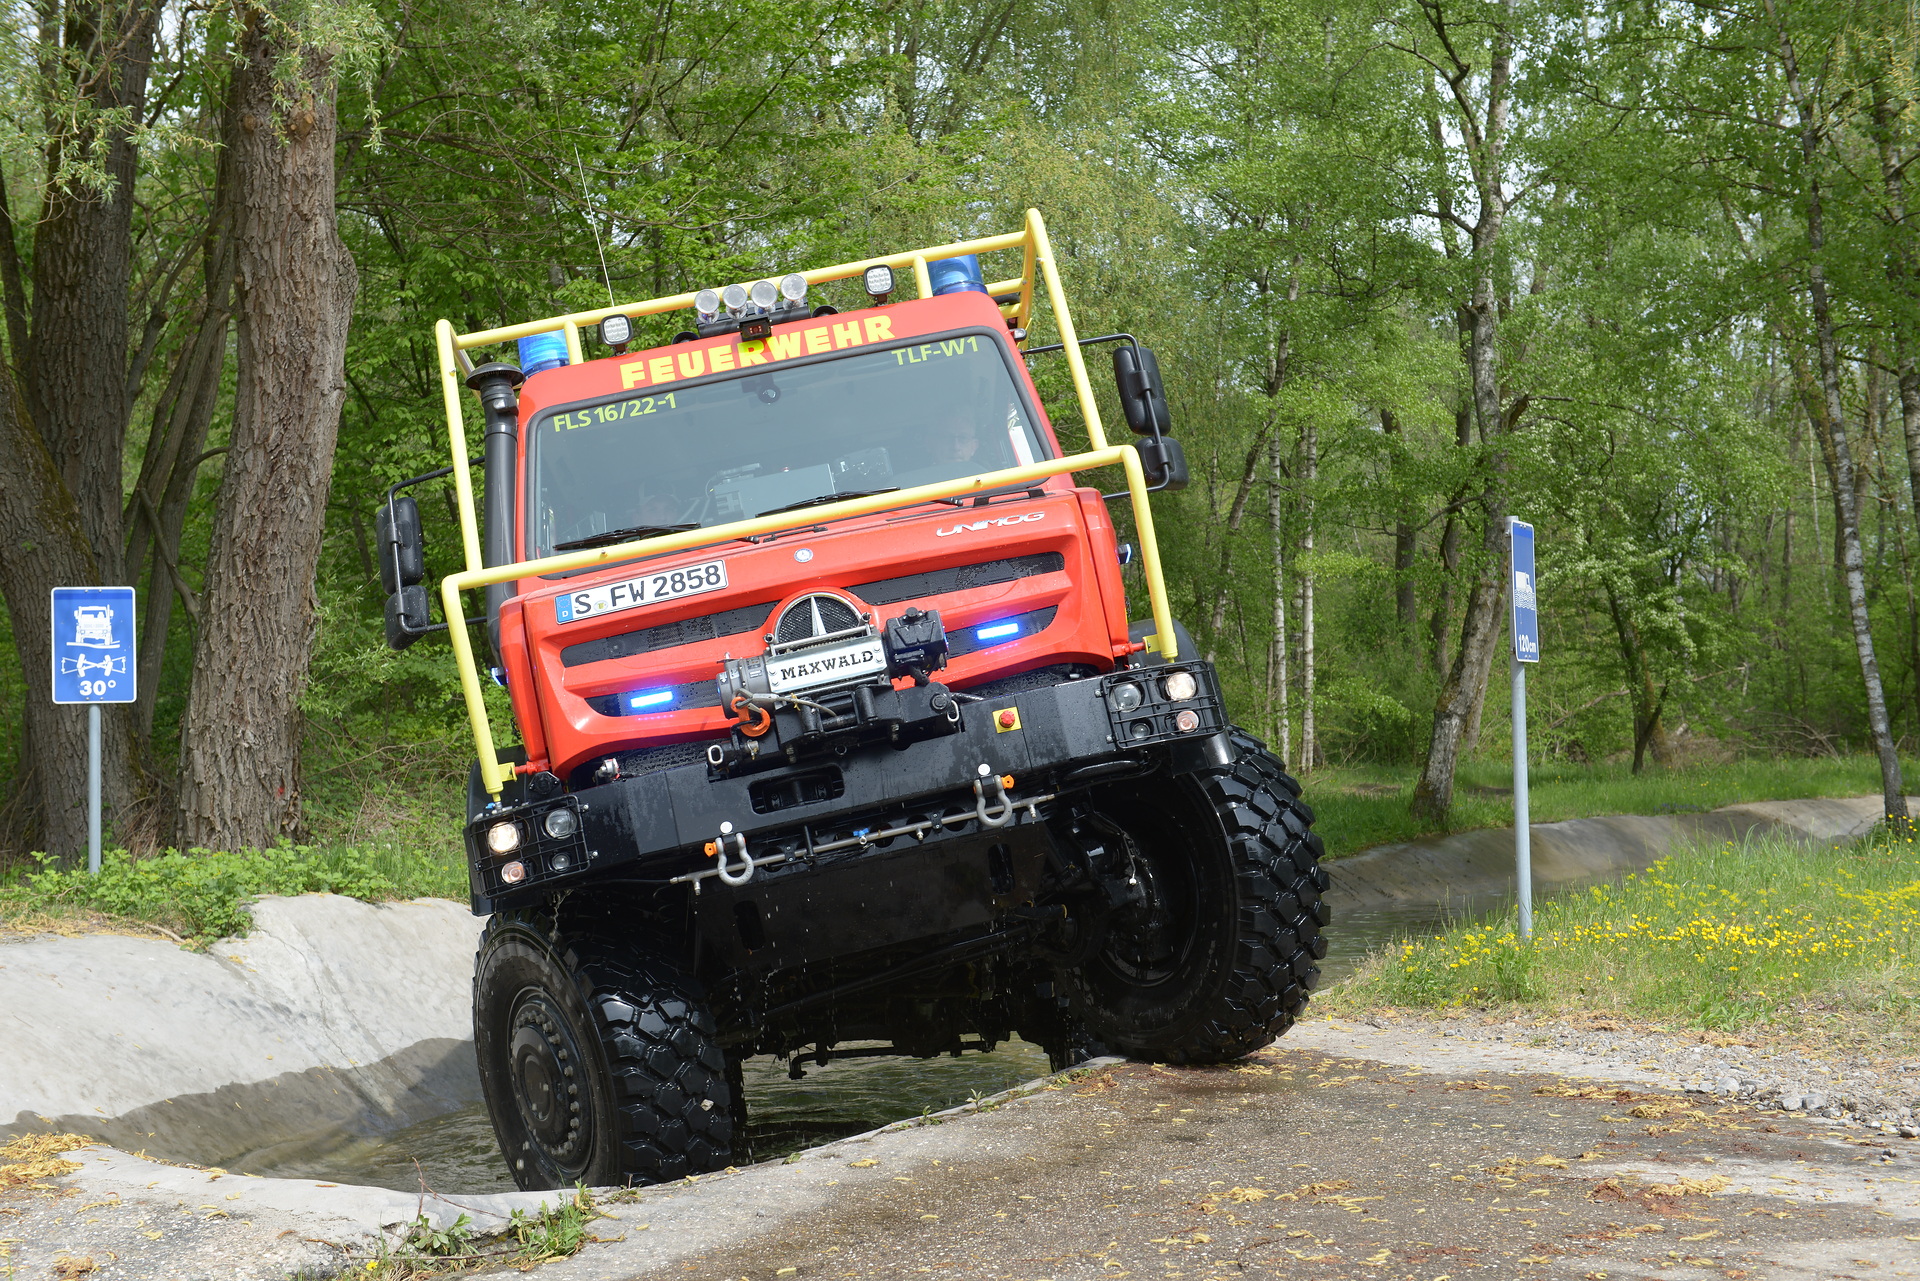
[659,826]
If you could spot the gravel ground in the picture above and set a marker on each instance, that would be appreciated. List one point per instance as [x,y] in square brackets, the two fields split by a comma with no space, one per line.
[1389,1153]
[1389,1147]
[1848,1088]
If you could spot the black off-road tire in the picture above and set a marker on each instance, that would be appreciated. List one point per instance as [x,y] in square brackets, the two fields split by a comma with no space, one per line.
[599,1064]
[1223,956]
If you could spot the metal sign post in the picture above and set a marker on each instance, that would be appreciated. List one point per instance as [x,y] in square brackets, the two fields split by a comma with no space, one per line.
[93,664]
[1526,649]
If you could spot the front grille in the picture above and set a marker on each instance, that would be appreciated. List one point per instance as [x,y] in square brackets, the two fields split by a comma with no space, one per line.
[938,582]
[702,627]
[817,614]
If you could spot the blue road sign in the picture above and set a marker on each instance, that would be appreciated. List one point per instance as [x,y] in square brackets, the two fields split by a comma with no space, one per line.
[93,645]
[1526,614]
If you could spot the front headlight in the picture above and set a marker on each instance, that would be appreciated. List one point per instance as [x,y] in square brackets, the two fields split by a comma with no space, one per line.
[503,838]
[1180,686]
[1125,697]
[561,823]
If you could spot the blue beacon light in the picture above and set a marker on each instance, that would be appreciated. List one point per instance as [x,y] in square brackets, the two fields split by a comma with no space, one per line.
[996,631]
[957,275]
[541,352]
[649,698]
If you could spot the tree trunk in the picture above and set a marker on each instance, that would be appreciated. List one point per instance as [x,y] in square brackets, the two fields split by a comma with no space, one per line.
[1441,622]
[1647,701]
[1854,565]
[1310,753]
[75,363]
[1277,709]
[157,512]
[1903,275]
[1465,686]
[1406,547]
[69,406]
[294,290]
[42,545]
[1236,513]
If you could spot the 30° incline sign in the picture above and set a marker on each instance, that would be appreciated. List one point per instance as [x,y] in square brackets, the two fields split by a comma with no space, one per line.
[93,645]
[1526,614]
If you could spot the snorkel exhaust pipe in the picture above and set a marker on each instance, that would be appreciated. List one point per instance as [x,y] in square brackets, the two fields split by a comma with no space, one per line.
[500,409]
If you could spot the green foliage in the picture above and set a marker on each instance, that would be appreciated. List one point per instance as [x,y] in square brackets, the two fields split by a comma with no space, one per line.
[201,896]
[531,1238]
[553,1231]
[1718,935]
[1276,196]
[422,1237]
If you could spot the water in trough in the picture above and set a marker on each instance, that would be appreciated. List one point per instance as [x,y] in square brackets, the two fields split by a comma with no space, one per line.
[457,1152]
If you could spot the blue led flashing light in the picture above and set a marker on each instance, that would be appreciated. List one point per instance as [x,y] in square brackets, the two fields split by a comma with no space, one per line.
[650,698]
[957,275]
[996,631]
[540,352]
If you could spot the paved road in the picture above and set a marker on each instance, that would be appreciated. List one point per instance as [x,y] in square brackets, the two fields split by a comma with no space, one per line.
[1302,1163]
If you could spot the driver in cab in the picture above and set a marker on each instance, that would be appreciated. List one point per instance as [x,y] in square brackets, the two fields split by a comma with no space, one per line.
[953,449]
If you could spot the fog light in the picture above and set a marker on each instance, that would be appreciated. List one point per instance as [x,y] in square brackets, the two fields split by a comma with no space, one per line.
[1140,731]
[514,872]
[1125,696]
[1186,720]
[560,862]
[1180,686]
[503,838]
[561,824]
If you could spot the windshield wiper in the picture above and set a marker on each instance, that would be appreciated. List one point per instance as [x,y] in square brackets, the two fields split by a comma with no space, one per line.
[820,499]
[622,535]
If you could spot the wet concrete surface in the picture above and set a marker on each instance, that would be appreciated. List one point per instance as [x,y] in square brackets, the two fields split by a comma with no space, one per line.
[1302,1162]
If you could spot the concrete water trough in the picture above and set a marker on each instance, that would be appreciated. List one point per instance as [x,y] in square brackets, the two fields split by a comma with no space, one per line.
[335,1021]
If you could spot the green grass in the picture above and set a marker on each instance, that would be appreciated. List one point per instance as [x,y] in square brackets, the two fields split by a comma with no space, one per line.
[199,896]
[1718,935]
[1360,806]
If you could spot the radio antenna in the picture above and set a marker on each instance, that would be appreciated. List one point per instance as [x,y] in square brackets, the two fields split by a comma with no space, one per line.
[586,203]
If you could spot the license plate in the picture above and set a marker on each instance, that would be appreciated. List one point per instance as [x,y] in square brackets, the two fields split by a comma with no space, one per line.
[826,666]
[648,589]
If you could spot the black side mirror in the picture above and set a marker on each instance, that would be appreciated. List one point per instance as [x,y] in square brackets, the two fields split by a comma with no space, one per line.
[403,553]
[1165,463]
[1136,373]
[403,565]
[407,618]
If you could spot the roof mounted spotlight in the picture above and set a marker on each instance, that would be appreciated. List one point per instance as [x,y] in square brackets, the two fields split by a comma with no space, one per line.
[757,324]
[616,331]
[718,311]
[793,288]
[878,282]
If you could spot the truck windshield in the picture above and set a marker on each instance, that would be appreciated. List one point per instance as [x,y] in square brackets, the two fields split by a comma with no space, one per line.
[743,446]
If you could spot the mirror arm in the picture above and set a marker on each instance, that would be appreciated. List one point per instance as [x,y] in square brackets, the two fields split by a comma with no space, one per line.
[1158,432]
[393,544]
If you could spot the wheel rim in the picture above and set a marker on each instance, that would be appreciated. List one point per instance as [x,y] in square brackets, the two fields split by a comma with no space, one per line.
[1147,942]
[546,1068]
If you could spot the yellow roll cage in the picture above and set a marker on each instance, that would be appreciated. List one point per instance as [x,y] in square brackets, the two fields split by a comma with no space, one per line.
[1037,260]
